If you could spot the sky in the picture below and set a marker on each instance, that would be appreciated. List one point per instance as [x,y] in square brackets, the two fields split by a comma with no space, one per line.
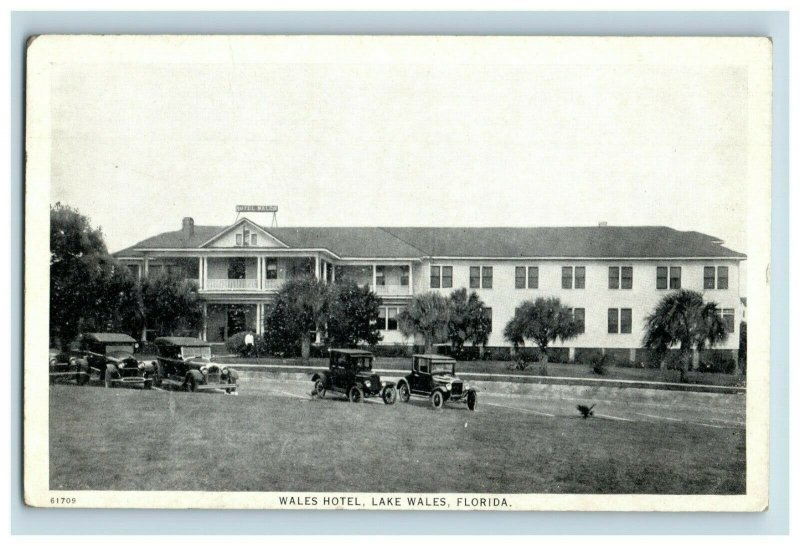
[439,136]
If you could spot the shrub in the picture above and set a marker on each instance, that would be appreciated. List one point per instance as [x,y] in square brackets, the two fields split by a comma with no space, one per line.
[235,343]
[396,350]
[712,361]
[620,357]
[598,363]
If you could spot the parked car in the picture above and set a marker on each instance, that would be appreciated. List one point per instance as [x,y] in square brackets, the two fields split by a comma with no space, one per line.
[435,376]
[66,366]
[107,357]
[350,373]
[185,363]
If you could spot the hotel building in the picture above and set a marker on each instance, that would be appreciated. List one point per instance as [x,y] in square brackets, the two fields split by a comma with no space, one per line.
[611,276]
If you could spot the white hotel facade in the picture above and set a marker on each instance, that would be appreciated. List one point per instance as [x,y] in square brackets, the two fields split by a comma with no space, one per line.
[612,276]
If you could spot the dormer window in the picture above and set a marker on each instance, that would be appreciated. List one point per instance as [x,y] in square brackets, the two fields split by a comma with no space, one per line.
[238,239]
[253,239]
[246,237]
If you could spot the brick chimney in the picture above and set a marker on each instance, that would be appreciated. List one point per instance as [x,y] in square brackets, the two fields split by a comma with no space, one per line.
[601,224]
[188,227]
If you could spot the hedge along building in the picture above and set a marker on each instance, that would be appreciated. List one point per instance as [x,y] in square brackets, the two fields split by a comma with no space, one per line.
[612,277]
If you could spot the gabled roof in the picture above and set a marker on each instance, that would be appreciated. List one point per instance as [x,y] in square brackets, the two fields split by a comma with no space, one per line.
[566,242]
[478,242]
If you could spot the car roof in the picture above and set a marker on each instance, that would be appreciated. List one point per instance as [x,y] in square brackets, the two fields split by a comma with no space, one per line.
[181,342]
[108,338]
[351,352]
[436,357]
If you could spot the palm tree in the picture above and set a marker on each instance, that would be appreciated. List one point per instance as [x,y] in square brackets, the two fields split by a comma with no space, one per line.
[544,321]
[306,302]
[682,318]
[428,315]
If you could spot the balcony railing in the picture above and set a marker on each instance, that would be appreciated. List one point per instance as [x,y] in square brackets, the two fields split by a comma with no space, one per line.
[392,290]
[231,284]
[273,284]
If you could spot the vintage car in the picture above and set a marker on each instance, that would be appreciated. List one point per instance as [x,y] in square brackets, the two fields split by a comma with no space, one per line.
[107,357]
[185,363]
[67,366]
[350,373]
[435,376]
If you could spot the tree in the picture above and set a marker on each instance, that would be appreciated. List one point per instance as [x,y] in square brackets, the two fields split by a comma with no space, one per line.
[428,315]
[682,318]
[741,364]
[171,304]
[89,289]
[544,321]
[469,320]
[300,310]
[353,315]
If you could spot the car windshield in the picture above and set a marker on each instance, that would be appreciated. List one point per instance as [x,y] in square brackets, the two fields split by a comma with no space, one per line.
[363,363]
[195,352]
[120,348]
[443,367]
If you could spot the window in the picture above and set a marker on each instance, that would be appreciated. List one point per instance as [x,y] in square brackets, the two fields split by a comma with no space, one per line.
[708,278]
[387,318]
[529,275]
[579,316]
[447,276]
[567,273]
[238,239]
[154,270]
[627,278]
[436,276]
[474,277]
[487,312]
[391,318]
[620,321]
[661,278]
[722,277]
[613,277]
[247,237]
[566,277]
[272,268]
[519,277]
[727,317]
[620,277]
[486,279]
[134,270]
[674,278]
[254,240]
[613,321]
[580,277]
[380,276]
[533,277]
[404,276]
[625,321]
[441,276]
[715,277]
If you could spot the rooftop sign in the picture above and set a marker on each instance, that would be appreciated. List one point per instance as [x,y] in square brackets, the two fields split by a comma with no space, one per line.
[256,208]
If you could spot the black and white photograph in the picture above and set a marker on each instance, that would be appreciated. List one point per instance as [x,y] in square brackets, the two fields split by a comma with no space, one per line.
[397,272]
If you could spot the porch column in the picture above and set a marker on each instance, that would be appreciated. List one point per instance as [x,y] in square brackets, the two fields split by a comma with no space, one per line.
[571,357]
[204,333]
[374,277]
[317,267]
[259,275]
[258,313]
[410,278]
[201,261]
[146,268]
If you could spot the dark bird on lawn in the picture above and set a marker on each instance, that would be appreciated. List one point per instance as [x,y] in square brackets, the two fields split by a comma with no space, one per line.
[586,411]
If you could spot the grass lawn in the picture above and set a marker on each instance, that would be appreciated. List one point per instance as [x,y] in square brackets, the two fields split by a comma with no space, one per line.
[125,439]
[501,367]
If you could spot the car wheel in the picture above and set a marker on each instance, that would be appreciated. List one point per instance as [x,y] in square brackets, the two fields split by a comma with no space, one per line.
[437,399]
[472,400]
[389,395]
[190,385]
[355,395]
[148,384]
[404,393]
[107,380]
[319,388]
